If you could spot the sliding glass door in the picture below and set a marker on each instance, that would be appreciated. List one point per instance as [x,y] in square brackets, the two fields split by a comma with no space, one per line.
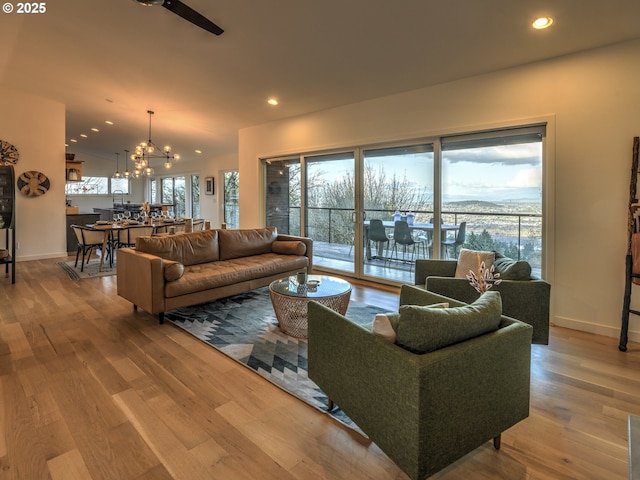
[330,210]
[397,181]
[493,183]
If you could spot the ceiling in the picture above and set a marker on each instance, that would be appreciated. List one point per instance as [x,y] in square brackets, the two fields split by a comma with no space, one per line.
[114,60]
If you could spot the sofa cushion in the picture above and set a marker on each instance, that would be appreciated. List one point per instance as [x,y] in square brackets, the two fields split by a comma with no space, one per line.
[244,243]
[206,276]
[187,248]
[289,247]
[424,329]
[512,269]
[470,260]
[172,270]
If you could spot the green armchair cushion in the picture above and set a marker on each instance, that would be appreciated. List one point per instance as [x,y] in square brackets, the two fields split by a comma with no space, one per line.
[422,329]
[385,325]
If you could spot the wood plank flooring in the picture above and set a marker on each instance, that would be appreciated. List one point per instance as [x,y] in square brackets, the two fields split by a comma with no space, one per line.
[90,389]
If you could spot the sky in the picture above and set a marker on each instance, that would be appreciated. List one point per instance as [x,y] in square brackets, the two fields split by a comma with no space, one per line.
[505,173]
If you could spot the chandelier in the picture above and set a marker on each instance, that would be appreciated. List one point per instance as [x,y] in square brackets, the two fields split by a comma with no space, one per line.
[147,151]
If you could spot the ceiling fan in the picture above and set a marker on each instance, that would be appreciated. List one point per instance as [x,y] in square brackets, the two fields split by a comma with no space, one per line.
[186,12]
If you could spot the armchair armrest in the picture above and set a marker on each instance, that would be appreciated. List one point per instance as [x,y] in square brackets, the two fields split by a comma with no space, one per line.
[434,268]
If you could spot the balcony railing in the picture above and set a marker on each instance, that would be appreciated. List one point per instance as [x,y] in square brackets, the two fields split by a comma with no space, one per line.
[515,234]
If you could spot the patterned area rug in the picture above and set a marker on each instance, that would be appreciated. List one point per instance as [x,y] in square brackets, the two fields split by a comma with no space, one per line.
[244,327]
[90,271]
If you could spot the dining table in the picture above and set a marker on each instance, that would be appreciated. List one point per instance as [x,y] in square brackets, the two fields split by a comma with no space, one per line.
[390,224]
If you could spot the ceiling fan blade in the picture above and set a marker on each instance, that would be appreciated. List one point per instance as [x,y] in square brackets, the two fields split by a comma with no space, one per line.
[189,14]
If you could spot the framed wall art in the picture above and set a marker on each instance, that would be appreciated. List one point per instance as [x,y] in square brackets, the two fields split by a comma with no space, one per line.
[209,186]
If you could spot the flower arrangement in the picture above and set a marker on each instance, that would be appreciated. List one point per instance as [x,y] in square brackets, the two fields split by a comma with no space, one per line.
[146,207]
[485,279]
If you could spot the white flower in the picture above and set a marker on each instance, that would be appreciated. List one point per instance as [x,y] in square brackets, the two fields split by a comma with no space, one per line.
[485,279]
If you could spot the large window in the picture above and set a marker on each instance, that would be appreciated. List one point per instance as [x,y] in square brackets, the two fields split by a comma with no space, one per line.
[484,190]
[195,196]
[493,182]
[182,191]
[98,186]
[230,202]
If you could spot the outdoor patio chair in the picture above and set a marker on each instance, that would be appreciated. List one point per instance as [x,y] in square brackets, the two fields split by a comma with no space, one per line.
[402,235]
[456,242]
[378,234]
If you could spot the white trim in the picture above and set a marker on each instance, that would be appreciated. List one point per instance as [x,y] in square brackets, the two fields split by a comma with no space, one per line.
[595,328]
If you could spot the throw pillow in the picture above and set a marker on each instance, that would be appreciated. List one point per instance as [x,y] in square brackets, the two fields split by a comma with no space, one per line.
[424,329]
[385,325]
[172,270]
[289,247]
[512,269]
[471,260]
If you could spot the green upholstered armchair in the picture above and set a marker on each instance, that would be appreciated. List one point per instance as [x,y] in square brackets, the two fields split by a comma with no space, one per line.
[424,411]
[526,300]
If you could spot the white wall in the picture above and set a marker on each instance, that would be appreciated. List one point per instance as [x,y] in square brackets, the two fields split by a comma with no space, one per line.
[592,101]
[36,127]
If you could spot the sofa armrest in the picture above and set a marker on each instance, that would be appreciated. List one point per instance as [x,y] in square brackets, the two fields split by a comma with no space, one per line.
[141,279]
[424,411]
[434,268]
[307,241]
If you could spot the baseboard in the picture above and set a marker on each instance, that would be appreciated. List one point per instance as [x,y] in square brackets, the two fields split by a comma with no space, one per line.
[26,258]
[607,331]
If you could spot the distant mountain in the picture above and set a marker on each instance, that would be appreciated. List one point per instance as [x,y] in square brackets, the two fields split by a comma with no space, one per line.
[474,203]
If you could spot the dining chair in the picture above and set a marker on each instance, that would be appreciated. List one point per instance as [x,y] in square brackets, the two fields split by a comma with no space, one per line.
[89,239]
[198,224]
[456,242]
[378,234]
[402,235]
[127,236]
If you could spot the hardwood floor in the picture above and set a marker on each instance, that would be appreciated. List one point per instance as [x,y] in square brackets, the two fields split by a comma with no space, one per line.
[92,390]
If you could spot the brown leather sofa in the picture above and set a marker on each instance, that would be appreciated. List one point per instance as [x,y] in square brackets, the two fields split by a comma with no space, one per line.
[166,272]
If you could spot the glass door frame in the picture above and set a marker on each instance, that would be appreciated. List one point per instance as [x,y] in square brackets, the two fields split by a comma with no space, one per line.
[355,213]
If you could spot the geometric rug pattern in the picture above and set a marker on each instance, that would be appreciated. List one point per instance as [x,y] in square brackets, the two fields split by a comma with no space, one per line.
[244,327]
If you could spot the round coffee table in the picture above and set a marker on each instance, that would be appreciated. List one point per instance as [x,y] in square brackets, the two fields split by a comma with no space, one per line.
[290,300]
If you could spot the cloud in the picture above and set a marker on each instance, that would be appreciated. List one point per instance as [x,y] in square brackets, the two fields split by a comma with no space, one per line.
[525,154]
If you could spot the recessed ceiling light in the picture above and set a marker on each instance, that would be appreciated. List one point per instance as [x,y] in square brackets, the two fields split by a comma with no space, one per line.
[83,135]
[108,122]
[542,22]
[272,101]
[94,129]
[198,151]
[73,140]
